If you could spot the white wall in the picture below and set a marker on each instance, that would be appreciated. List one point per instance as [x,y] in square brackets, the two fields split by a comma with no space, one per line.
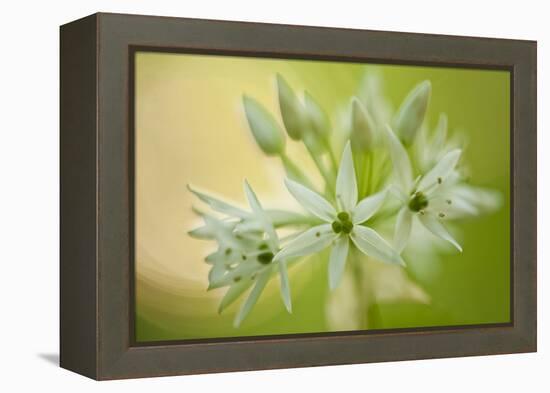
[29,193]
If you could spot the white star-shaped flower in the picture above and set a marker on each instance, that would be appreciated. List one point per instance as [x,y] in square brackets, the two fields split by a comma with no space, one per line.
[427,197]
[342,223]
[246,250]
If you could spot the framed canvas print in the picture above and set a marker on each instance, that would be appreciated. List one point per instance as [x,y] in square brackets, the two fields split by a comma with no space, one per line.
[240,196]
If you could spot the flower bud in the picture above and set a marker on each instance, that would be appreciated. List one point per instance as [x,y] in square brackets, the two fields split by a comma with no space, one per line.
[362,127]
[318,119]
[266,131]
[292,111]
[410,115]
[440,136]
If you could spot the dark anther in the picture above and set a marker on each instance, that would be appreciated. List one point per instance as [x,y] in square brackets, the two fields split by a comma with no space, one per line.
[418,202]
[347,226]
[343,216]
[265,258]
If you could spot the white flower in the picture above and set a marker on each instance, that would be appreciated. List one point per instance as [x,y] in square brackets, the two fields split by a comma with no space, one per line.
[247,243]
[250,251]
[467,200]
[427,198]
[342,223]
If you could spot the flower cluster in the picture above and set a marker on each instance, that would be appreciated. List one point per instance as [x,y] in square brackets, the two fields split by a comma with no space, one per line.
[379,169]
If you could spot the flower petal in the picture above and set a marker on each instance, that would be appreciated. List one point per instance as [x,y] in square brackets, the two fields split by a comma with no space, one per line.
[440,136]
[410,116]
[204,232]
[233,293]
[432,224]
[311,201]
[318,118]
[292,110]
[241,272]
[215,257]
[218,204]
[398,193]
[363,128]
[252,298]
[372,244]
[277,218]
[400,159]
[441,170]
[216,272]
[215,228]
[285,286]
[337,261]
[256,207]
[367,207]
[265,129]
[311,241]
[482,199]
[460,208]
[284,217]
[403,227]
[346,182]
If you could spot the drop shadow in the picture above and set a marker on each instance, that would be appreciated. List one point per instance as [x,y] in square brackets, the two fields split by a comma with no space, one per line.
[52,358]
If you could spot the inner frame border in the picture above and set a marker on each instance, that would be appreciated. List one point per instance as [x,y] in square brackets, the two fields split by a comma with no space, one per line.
[131,110]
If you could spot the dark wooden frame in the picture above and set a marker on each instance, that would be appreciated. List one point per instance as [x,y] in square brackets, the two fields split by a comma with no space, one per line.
[97,204]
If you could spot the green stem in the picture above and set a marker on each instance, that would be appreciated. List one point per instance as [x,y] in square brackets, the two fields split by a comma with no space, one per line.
[374,316]
[294,172]
[370,189]
[367,176]
[382,215]
[298,221]
[329,180]
[382,170]
[371,317]
[359,164]
[332,157]
[358,283]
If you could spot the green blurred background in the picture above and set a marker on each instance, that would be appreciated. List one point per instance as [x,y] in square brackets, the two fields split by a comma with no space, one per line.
[190,128]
